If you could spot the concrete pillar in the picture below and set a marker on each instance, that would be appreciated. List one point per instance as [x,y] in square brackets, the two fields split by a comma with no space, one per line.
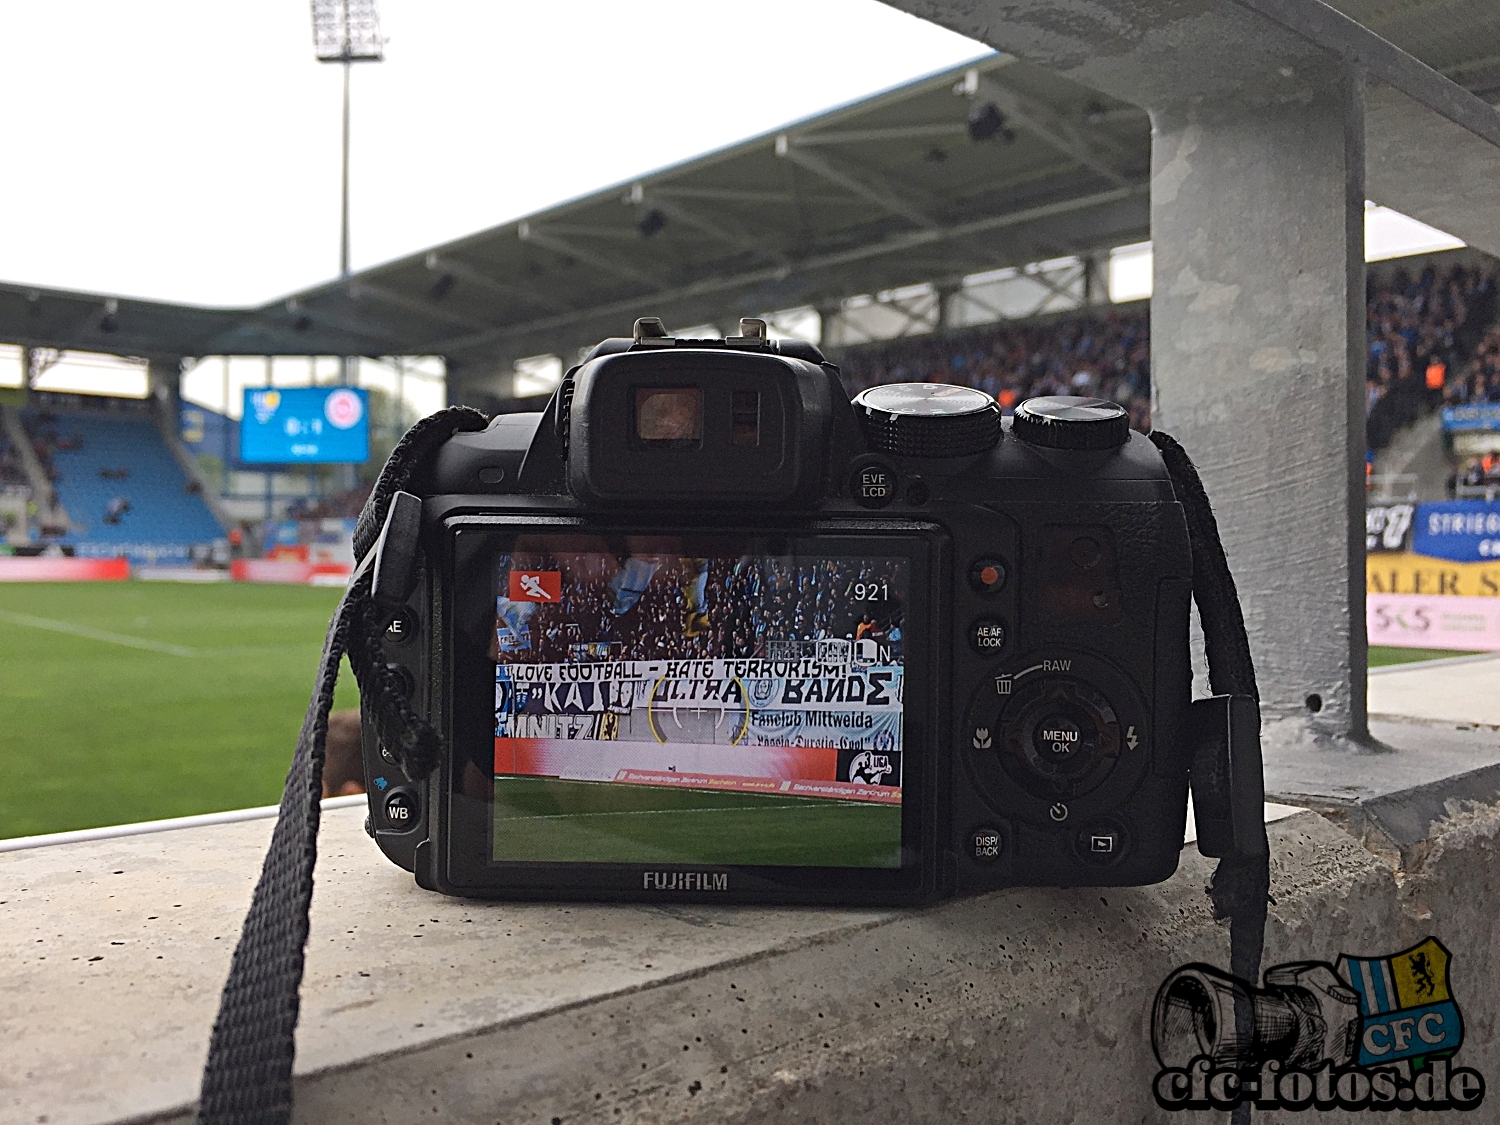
[1257,335]
[164,384]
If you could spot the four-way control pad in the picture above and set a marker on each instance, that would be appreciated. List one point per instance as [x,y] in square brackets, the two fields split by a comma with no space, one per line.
[1054,730]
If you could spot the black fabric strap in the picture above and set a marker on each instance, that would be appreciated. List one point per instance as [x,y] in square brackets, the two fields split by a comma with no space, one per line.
[248,1077]
[1240,888]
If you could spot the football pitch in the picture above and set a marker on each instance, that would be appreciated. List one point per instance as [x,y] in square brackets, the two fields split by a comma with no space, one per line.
[125,701]
[544,818]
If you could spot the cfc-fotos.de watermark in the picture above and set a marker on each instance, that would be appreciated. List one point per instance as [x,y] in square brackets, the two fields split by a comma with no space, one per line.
[1375,1033]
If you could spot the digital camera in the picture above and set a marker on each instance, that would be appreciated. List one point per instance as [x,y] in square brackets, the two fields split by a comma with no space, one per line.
[704,628]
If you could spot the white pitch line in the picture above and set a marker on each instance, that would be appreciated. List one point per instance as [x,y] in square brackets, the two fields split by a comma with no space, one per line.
[652,812]
[96,634]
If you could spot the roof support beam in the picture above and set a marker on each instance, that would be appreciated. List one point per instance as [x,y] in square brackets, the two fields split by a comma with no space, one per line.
[867,185]
[648,197]
[529,233]
[1045,123]
[483,281]
[893,133]
[410,304]
[711,286]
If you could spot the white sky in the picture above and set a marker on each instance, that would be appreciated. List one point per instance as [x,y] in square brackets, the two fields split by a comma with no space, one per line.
[188,150]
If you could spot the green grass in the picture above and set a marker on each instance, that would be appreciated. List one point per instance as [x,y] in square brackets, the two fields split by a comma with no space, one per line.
[96,732]
[607,822]
[1380,655]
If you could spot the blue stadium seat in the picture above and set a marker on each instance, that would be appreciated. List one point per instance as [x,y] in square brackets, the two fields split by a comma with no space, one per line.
[164,519]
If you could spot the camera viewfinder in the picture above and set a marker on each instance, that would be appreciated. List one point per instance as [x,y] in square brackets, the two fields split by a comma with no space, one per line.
[671,416]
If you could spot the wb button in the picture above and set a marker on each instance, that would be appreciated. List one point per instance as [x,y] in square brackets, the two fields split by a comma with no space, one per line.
[401,809]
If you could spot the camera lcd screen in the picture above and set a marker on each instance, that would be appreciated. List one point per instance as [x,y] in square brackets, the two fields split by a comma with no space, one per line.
[703,700]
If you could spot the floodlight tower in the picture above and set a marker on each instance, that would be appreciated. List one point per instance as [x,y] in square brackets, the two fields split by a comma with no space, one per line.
[346,32]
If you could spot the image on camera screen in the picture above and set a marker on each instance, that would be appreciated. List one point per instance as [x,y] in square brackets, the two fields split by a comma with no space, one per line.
[657,701]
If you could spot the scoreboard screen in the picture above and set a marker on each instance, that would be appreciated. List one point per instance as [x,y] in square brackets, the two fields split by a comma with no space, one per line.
[305,425]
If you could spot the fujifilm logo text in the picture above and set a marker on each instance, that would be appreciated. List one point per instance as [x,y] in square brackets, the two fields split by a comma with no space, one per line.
[684,881]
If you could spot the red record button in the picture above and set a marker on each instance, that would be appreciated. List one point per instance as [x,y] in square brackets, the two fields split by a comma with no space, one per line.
[987,575]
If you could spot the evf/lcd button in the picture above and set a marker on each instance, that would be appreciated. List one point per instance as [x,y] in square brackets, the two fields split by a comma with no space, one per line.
[873,485]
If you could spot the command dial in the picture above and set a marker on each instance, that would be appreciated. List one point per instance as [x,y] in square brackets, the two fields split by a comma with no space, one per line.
[1068,422]
[929,419]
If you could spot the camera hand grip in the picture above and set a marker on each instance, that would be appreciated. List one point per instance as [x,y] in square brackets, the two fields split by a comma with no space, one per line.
[1229,790]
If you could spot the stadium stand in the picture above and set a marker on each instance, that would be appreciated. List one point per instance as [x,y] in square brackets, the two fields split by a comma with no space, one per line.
[124,491]
[1424,331]
[1106,355]
[1421,331]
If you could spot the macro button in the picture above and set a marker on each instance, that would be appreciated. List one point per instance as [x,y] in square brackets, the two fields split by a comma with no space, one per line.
[987,635]
[985,845]
[873,486]
[400,809]
[404,677]
[987,575]
[399,627]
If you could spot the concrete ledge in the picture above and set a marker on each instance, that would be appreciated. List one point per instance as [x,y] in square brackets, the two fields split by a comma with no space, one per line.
[1027,1005]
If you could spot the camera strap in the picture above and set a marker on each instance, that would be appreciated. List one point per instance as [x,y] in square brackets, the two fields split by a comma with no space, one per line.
[247,1079]
[1232,789]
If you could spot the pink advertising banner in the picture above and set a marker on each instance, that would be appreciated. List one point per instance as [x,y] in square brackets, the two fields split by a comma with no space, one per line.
[41,569]
[1423,621]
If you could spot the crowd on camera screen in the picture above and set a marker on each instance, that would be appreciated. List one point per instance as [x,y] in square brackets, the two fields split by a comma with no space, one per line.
[697,608]
[1096,357]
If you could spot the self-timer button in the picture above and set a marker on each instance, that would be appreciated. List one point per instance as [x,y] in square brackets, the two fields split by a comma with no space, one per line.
[873,486]
[987,635]
[987,575]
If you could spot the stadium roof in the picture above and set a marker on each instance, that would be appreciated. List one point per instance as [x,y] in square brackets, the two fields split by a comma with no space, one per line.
[879,194]
[876,195]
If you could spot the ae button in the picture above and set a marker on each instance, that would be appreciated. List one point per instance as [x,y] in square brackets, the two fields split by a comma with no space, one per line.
[400,627]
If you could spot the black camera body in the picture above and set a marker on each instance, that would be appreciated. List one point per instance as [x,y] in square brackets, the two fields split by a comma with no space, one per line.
[707,629]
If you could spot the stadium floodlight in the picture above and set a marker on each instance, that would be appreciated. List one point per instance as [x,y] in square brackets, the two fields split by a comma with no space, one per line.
[345,32]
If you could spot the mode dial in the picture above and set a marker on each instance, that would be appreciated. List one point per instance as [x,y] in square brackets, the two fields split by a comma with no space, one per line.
[928,419]
[1068,422]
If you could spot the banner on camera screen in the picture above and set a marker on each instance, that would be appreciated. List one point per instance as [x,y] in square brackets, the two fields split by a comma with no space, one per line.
[797,727]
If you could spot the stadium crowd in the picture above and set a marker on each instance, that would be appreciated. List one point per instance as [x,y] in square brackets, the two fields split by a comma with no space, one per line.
[1420,328]
[1420,331]
[339,505]
[1104,357]
[1481,382]
[674,607]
